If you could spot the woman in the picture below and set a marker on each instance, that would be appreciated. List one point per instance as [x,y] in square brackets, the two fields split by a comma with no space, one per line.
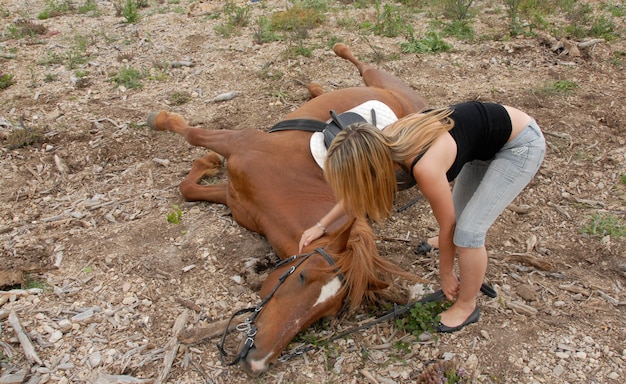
[492,152]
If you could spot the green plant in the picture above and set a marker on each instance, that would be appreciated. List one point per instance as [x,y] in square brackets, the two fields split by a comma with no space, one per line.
[432,43]
[89,6]
[558,87]
[236,18]
[27,28]
[456,9]
[30,281]
[461,29]
[297,17]
[6,80]
[422,318]
[50,77]
[179,98]
[24,136]
[128,77]
[264,32]
[129,9]
[605,224]
[622,179]
[175,216]
[75,57]
[390,22]
[56,8]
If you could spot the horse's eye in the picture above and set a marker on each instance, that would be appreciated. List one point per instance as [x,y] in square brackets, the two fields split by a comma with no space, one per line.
[302,279]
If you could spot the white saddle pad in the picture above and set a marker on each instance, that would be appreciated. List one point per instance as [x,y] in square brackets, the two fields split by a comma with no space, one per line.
[384,117]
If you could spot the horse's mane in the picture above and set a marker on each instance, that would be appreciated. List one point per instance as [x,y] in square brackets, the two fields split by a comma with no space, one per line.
[364,270]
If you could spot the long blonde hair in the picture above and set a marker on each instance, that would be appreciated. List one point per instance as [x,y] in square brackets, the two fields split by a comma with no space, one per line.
[360,165]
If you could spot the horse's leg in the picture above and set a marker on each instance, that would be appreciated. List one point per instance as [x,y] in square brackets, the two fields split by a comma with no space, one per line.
[219,141]
[206,166]
[315,89]
[374,77]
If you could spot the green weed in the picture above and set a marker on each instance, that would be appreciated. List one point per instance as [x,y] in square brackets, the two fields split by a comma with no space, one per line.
[422,318]
[6,80]
[605,224]
[88,7]
[130,11]
[179,98]
[461,29]
[299,17]
[26,28]
[456,9]
[31,281]
[431,43]
[390,21]
[56,8]
[50,77]
[236,18]
[24,136]
[559,87]
[175,216]
[128,77]
[622,179]
[264,32]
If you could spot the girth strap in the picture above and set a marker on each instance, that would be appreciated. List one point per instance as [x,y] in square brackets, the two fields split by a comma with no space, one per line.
[299,125]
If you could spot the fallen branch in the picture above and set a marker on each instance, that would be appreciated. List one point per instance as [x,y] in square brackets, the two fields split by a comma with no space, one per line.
[172,347]
[194,336]
[588,43]
[530,260]
[27,346]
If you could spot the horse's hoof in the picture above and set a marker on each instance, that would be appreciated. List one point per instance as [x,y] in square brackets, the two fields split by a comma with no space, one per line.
[341,50]
[151,120]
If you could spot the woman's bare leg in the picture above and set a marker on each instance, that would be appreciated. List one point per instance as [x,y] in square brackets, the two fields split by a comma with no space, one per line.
[472,269]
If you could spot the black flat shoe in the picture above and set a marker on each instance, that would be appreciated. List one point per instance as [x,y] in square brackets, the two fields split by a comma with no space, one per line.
[473,317]
[423,248]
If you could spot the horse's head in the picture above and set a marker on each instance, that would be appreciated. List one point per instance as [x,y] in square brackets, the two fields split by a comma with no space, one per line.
[312,286]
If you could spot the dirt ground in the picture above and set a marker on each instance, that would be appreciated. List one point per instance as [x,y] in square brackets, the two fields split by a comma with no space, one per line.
[84,210]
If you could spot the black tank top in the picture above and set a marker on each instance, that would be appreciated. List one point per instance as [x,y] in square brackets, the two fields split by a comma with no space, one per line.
[480,130]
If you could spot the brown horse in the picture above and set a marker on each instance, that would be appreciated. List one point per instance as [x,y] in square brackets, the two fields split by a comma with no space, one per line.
[276,188]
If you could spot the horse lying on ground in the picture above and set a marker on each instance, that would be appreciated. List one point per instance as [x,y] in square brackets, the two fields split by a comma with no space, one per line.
[276,188]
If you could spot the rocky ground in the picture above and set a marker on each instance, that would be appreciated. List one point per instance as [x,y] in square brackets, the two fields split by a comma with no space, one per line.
[85,207]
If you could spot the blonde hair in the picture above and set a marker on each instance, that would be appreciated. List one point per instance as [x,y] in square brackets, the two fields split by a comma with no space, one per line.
[360,165]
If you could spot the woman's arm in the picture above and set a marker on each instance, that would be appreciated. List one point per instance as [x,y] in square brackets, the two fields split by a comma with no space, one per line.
[430,174]
[319,229]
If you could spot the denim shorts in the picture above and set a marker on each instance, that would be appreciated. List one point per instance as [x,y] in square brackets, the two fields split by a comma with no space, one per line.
[483,189]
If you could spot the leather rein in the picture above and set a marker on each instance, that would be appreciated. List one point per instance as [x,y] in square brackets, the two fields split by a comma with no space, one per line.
[249,327]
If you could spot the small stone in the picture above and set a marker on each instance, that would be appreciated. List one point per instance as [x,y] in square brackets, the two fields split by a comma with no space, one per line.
[580,355]
[562,355]
[95,359]
[613,376]
[558,370]
[55,336]
[65,325]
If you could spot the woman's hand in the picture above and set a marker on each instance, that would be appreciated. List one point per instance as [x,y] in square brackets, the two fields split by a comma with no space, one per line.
[310,235]
[449,285]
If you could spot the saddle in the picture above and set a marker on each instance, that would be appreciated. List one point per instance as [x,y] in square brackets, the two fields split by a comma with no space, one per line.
[379,114]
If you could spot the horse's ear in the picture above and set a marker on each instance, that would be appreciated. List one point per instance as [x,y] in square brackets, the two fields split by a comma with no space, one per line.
[339,239]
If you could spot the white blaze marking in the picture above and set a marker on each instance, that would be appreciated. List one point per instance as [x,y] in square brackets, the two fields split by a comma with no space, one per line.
[260,365]
[329,290]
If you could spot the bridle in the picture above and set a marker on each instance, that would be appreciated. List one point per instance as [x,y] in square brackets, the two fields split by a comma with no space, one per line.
[248,326]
